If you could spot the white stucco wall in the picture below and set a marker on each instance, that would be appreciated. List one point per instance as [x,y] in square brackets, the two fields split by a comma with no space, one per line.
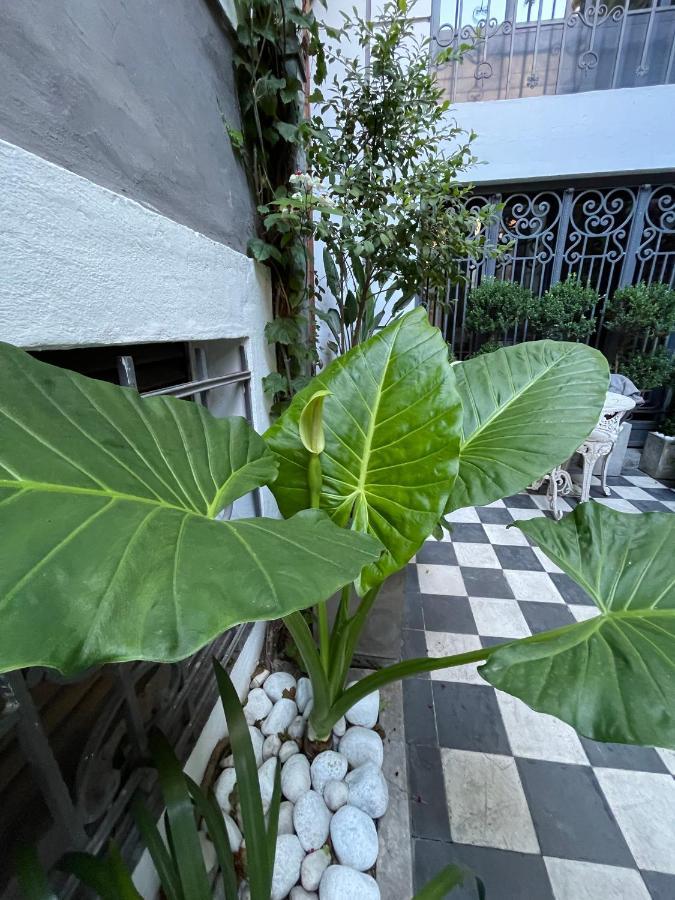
[83,266]
[626,131]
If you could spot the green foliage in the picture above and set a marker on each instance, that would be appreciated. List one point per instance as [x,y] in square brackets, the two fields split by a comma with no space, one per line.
[648,370]
[447,880]
[526,409]
[273,39]
[129,562]
[611,677]
[667,427]
[565,311]
[177,854]
[649,309]
[495,307]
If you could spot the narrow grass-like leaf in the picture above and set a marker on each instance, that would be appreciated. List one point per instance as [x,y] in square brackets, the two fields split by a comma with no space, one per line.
[186,847]
[108,877]
[446,881]
[207,805]
[32,877]
[273,817]
[259,870]
[611,677]
[525,410]
[161,858]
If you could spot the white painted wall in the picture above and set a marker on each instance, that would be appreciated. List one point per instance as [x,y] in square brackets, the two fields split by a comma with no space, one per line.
[83,266]
[625,131]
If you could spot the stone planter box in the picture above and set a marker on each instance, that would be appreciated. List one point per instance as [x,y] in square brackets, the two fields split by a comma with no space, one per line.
[658,457]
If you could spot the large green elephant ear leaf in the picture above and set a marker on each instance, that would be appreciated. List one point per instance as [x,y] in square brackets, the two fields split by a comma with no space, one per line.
[526,409]
[109,549]
[391,421]
[611,677]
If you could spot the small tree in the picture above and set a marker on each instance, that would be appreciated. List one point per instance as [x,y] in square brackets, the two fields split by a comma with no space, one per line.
[565,311]
[495,307]
[391,214]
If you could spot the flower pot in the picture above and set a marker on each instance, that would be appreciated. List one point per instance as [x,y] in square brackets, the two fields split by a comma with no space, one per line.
[658,456]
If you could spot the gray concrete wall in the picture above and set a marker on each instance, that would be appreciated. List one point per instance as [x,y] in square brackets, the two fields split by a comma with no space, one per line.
[130,94]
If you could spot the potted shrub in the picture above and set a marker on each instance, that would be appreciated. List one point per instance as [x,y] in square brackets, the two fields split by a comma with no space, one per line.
[565,311]
[496,308]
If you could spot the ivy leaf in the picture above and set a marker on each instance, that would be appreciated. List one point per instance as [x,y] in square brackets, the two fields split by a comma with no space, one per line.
[331,271]
[262,251]
[285,330]
[288,131]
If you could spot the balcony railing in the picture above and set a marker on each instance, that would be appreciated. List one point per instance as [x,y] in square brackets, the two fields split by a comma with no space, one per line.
[524,48]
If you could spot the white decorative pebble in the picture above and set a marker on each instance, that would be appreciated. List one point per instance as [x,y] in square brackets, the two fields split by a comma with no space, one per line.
[299,893]
[288,749]
[271,746]
[295,778]
[258,706]
[227,762]
[260,678]
[366,711]
[244,892]
[368,790]
[224,787]
[335,794]
[360,745]
[327,766]
[283,713]
[277,683]
[287,860]
[340,727]
[266,780]
[297,728]
[285,817]
[303,693]
[233,833]
[311,820]
[208,852]
[354,838]
[312,868]
[257,742]
[308,709]
[341,883]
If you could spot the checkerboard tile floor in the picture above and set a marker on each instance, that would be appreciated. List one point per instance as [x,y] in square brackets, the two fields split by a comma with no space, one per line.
[533,808]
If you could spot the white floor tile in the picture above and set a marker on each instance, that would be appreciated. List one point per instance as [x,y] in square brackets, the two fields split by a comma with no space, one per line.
[643,481]
[496,504]
[543,503]
[548,564]
[643,804]
[668,757]
[526,513]
[583,613]
[621,505]
[535,586]
[539,736]
[502,534]
[498,618]
[436,579]
[486,801]
[466,515]
[631,493]
[669,504]
[442,643]
[572,879]
[479,555]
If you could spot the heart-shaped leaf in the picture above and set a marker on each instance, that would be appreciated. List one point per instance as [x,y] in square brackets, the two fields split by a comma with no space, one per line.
[392,437]
[611,677]
[526,409]
[109,548]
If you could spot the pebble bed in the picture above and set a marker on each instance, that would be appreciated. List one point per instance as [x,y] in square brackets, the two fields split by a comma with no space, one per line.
[327,839]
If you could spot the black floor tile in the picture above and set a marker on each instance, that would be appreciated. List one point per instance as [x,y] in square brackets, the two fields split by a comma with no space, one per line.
[520,501]
[468,718]
[494,515]
[412,584]
[443,613]
[469,531]
[618,480]
[569,590]
[428,806]
[659,885]
[623,756]
[545,616]
[493,641]
[412,611]
[649,505]
[437,552]
[418,712]
[505,875]
[570,814]
[414,646]
[517,558]
[660,493]
[485,583]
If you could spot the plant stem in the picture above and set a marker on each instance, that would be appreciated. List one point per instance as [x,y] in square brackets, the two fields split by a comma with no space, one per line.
[314,482]
[304,641]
